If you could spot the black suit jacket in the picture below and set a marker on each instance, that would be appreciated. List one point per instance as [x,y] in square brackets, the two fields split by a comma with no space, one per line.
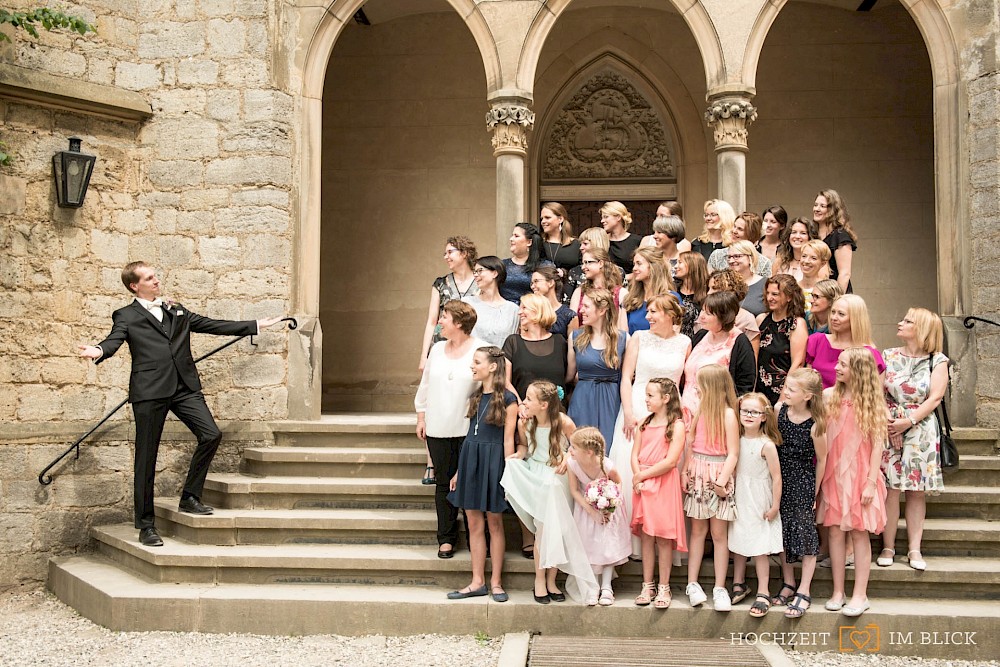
[161,352]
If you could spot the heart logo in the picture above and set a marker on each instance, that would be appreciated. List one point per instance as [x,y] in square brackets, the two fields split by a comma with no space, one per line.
[860,638]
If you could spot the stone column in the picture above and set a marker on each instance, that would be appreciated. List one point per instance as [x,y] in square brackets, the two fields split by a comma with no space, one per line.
[730,117]
[509,122]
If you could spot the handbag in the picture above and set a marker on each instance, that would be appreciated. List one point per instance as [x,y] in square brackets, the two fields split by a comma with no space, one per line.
[947,451]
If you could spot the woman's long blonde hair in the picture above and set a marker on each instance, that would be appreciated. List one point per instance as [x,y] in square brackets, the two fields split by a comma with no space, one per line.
[811,382]
[718,393]
[659,281]
[857,313]
[603,300]
[867,394]
[727,216]
[609,270]
[547,393]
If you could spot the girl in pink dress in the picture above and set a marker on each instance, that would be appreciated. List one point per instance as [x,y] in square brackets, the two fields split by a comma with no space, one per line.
[657,514]
[708,480]
[605,537]
[852,493]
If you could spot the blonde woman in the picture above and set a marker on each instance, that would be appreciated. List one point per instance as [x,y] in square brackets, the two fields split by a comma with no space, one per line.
[742,258]
[916,377]
[747,227]
[815,267]
[596,357]
[535,353]
[616,219]
[850,326]
[650,277]
[545,281]
[830,214]
[591,238]
[719,217]
[796,235]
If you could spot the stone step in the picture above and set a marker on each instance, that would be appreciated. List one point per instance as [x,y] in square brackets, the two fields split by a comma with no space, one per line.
[975,470]
[182,561]
[977,441]
[952,537]
[309,526]
[976,502]
[124,601]
[393,462]
[349,430]
[237,491]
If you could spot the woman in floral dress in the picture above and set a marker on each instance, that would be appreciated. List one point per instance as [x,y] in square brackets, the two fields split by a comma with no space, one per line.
[916,376]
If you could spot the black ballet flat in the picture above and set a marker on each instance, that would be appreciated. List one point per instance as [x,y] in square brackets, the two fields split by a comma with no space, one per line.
[446,554]
[557,597]
[542,599]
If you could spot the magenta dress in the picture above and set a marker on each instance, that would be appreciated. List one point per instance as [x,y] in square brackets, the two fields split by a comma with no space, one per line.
[822,357]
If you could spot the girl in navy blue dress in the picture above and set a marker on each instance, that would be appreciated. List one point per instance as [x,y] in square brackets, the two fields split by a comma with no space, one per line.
[476,486]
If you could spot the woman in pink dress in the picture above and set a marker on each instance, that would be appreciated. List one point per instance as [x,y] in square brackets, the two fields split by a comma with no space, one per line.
[850,326]
[852,493]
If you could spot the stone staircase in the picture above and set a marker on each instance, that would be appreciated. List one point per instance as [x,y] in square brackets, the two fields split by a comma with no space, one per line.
[330,531]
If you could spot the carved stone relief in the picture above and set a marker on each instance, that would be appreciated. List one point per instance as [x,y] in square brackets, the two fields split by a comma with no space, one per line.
[608,130]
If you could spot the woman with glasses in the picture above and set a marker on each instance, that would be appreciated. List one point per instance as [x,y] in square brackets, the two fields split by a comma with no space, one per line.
[545,282]
[497,317]
[830,214]
[592,238]
[746,227]
[742,259]
[459,283]
[783,335]
[719,217]
[599,272]
[616,220]
[525,257]
[823,295]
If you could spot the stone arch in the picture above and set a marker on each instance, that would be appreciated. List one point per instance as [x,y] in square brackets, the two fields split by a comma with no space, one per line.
[950,203]
[319,28]
[638,60]
[693,13]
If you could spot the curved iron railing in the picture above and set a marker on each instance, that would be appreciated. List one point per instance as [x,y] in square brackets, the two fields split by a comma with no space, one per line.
[971,320]
[45,479]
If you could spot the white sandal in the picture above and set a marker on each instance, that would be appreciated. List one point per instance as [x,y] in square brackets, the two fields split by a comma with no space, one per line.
[916,563]
[646,594]
[607,597]
[883,560]
[663,596]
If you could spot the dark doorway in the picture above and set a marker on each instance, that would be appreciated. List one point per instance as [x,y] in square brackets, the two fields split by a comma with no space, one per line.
[584,214]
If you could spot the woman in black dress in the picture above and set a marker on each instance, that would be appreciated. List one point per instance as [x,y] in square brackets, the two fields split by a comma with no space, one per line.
[719,217]
[830,213]
[783,334]
[535,353]
[616,219]
[558,244]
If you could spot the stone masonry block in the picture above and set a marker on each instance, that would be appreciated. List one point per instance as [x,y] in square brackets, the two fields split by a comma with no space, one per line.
[137,76]
[197,222]
[223,104]
[176,173]
[82,403]
[111,247]
[172,40]
[132,221]
[260,137]
[8,407]
[192,282]
[204,199]
[244,72]
[216,7]
[178,102]
[176,251]
[38,403]
[91,490]
[16,531]
[185,139]
[252,219]
[249,171]
[261,197]
[266,105]
[219,251]
[260,370]
[58,371]
[254,283]
[226,38]
[262,403]
[197,72]
[266,250]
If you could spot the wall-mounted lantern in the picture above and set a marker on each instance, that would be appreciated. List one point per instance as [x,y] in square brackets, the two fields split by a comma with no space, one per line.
[72,170]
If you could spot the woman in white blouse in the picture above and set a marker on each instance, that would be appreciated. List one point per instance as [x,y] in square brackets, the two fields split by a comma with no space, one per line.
[441,404]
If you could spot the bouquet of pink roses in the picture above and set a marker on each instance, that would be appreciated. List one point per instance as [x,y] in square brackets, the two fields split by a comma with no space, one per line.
[603,495]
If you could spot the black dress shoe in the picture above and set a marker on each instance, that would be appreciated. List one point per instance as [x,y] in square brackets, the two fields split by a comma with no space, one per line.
[542,599]
[148,537]
[192,505]
[557,597]
[446,554]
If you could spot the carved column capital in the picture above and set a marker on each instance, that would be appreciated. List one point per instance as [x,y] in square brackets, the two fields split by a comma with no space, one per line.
[730,118]
[510,124]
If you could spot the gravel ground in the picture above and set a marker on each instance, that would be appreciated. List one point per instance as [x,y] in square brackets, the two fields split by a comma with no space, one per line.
[37,629]
[834,659]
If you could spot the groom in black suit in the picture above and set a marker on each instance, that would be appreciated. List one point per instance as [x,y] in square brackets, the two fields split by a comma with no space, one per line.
[164,379]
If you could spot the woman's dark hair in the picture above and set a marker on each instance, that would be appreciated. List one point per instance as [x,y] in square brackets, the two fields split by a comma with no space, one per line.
[551,274]
[535,249]
[779,214]
[495,264]
[725,306]
[674,207]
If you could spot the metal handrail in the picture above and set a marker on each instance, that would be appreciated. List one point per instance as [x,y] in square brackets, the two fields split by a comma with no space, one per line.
[971,320]
[45,479]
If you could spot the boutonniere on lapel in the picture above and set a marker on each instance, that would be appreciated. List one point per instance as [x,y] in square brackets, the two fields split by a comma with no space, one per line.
[171,305]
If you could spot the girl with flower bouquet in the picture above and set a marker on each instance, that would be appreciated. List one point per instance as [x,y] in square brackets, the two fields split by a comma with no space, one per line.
[596,490]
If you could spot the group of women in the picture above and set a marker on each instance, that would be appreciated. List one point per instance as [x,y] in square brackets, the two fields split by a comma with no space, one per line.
[600,314]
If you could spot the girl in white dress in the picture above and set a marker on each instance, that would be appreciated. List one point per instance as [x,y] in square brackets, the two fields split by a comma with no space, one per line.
[757,529]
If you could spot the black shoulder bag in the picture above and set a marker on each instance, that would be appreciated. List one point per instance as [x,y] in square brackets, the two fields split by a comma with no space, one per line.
[947,451]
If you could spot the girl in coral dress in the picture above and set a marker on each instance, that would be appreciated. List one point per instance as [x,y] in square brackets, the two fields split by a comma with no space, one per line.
[657,511]
[852,493]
